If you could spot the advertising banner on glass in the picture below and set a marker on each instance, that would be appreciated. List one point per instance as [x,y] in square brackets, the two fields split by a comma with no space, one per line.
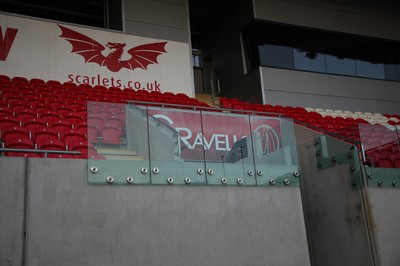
[219,132]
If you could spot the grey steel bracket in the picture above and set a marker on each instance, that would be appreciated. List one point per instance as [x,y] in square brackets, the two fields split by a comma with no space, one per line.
[118,172]
[327,156]
[383,177]
[286,180]
[131,173]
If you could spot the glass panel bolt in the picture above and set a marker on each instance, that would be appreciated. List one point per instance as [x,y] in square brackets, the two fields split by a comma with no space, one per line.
[260,173]
[129,179]
[94,169]
[296,173]
[250,172]
[144,170]
[380,183]
[369,175]
[170,180]
[188,180]
[200,171]
[224,180]
[210,171]
[239,181]
[272,181]
[394,183]
[156,170]
[286,182]
[110,179]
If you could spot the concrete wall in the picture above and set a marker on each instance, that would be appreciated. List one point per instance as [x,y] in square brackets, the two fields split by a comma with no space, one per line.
[69,222]
[12,222]
[384,209]
[307,89]
[370,18]
[336,222]
[167,19]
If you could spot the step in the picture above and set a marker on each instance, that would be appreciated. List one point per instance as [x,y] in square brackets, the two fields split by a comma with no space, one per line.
[123,157]
[207,98]
[117,152]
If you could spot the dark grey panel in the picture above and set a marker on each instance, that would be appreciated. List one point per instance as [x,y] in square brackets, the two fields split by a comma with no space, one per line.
[73,223]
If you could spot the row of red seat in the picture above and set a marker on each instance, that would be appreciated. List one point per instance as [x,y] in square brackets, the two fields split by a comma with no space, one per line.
[377,140]
[34,113]
[38,104]
[70,92]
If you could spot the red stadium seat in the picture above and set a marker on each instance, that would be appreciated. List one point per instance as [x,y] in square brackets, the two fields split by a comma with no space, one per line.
[25,114]
[63,109]
[73,135]
[49,115]
[115,108]
[20,143]
[55,104]
[115,120]
[60,125]
[110,134]
[6,121]
[37,80]
[14,132]
[4,78]
[40,107]
[20,79]
[86,148]
[10,93]
[85,87]
[396,160]
[3,103]
[18,104]
[53,83]
[60,156]
[73,118]
[50,144]
[69,84]
[384,163]
[40,134]
[91,132]
[5,111]
[57,145]
[32,123]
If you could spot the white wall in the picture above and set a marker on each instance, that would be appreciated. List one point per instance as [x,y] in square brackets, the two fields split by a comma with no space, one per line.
[307,89]
[162,19]
[370,18]
[54,57]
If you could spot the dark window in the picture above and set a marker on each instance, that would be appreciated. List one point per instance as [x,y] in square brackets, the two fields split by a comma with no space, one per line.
[291,47]
[96,13]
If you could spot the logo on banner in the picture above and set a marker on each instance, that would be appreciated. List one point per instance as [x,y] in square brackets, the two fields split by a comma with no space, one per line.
[6,42]
[268,137]
[92,51]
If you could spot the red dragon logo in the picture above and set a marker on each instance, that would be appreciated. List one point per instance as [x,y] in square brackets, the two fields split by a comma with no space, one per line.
[91,51]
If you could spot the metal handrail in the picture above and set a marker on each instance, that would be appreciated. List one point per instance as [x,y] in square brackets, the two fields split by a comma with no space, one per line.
[40,151]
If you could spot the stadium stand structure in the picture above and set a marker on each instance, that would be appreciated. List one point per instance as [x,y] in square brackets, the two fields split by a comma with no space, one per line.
[298,164]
